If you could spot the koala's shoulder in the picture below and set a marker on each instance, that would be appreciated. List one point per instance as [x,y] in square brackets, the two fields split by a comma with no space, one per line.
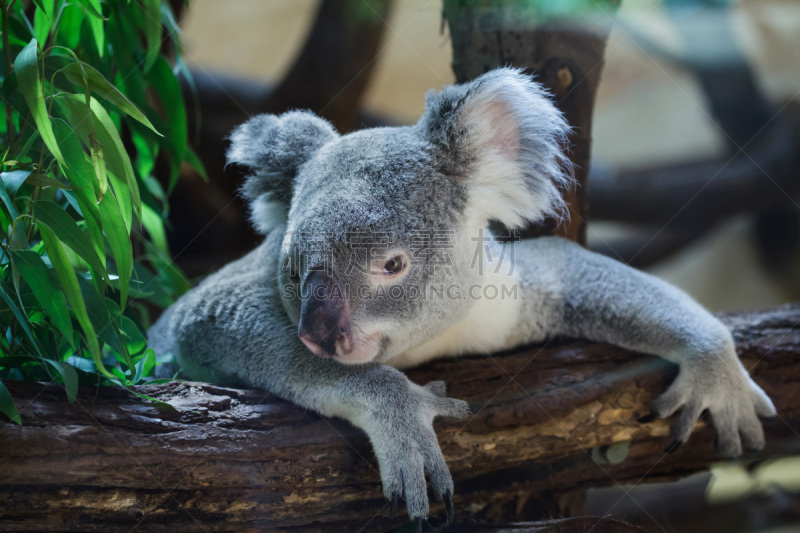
[247,283]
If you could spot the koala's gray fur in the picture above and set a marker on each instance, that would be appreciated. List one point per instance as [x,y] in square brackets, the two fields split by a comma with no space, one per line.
[486,150]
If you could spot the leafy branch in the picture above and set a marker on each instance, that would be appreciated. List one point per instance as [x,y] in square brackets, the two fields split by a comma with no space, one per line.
[91,106]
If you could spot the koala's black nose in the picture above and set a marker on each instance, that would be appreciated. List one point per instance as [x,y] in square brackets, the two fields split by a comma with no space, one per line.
[324,316]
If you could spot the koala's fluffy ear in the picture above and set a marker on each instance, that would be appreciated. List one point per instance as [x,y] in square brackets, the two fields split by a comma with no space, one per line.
[505,139]
[272,148]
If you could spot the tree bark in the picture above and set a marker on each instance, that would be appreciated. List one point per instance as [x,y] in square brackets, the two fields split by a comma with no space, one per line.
[549,420]
[566,55]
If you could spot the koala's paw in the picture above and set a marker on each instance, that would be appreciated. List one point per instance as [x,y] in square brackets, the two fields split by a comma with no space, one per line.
[406,446]
[734,401]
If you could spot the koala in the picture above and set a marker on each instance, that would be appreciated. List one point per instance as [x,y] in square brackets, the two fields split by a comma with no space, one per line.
[377,256]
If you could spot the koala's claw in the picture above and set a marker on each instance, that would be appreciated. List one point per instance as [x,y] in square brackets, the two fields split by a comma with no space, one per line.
[448,504]
[393,509]
[731,400]
[646,419]
[406,446]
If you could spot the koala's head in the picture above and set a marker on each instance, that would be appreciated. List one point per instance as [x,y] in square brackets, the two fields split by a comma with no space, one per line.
[381,226]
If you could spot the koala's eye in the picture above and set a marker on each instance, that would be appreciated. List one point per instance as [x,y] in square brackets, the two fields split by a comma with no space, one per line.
[394,266]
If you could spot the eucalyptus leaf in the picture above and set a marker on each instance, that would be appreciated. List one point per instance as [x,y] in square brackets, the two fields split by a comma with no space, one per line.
[61,224]
[83,185]
[76,72]
[152,31]
[195,162]
[43,20]
[22,320]
[69,282]
[40,180]
[81,119]
[154,226]
[169,92]
[94,8]
[99,166]
[120,242]
[101,320]
[68,375]
[7,405]
[45,287]
[95,21]
[84,75]
[26,66]
[14,179]
[12,209]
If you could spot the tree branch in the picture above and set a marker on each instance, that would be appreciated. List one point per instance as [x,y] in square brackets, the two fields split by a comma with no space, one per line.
[243,458]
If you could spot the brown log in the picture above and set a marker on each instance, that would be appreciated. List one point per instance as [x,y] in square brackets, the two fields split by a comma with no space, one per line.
[218,458]
[566,55]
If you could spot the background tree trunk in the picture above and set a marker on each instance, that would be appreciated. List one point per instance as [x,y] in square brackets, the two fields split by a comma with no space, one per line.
[566,55]
[331,73]
[220,458]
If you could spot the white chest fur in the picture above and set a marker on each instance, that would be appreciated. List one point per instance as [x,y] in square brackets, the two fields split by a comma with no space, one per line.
[485,328]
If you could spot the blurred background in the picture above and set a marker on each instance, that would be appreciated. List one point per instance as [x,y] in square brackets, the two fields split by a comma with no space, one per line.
[651,111]
[693,174]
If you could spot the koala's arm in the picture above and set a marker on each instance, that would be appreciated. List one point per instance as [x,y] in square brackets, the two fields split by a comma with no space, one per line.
[233,329]
[577,293]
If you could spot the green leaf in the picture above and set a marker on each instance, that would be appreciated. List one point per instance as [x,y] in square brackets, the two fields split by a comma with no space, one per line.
[45,288]
[21,319]
[169,92]
[82,364]
[152,31]
[69,282]
[154,225]
[171,24]
[51,215]
[120,242]
[175,279]
[194,161]
[75,73]
[12,210]
[116,157]
[7,405]
[43,20]
[26,66]
[149,360]
[102,321]
[123,198]
[146,151]
[79,174]
[65,370]
[68,32]
[69,376]
[41,180]
[95,21]
[12,180]
[40,4]
[99,165]
[94,8]
[83,184]
[28,144]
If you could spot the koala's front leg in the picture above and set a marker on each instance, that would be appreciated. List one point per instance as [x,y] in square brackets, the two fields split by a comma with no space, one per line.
[606,301]
[396,414]
[400,427]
